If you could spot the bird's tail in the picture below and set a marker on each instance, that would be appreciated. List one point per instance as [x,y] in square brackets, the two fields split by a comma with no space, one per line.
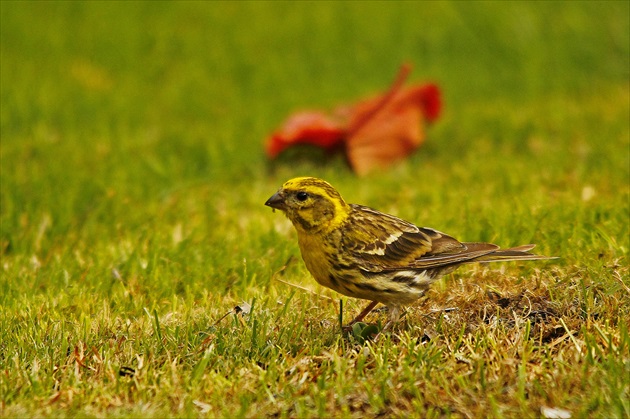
[513,253]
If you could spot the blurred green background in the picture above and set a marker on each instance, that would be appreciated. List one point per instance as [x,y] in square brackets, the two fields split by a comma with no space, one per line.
[153,94]
[125,121]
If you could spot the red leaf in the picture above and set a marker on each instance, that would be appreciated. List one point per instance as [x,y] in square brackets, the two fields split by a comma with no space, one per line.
[377,132]
[313,128]
[386,129]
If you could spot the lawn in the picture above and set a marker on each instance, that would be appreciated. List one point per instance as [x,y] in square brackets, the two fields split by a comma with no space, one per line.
[142,276]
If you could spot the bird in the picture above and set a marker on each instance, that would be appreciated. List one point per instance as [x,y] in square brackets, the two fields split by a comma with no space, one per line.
[363,253]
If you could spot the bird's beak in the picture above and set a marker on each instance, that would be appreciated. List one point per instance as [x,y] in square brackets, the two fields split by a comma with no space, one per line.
[276,201]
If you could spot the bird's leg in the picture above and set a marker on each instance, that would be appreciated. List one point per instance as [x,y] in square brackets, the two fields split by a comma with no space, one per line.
[364,313]
[361,315]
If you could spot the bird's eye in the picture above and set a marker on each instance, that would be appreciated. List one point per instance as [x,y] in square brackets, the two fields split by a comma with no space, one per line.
[301,196]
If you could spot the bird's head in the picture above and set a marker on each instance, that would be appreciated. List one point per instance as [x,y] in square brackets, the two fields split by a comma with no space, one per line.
[311,204]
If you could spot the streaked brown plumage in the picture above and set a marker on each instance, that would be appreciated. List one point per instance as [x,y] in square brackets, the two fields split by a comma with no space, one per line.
[363,253]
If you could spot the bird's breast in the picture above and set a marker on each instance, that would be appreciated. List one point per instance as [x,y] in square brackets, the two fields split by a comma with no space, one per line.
[316,257]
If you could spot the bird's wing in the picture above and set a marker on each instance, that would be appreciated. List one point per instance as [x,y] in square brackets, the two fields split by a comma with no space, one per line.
[467,253]
[380,242]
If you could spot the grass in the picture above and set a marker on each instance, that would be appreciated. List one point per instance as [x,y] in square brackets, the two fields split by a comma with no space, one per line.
[132,183]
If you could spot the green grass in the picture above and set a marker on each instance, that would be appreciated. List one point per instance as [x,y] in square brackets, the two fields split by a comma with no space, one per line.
[133,178]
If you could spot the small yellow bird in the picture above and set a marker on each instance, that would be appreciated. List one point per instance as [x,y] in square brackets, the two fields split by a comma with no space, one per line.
[363,253]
